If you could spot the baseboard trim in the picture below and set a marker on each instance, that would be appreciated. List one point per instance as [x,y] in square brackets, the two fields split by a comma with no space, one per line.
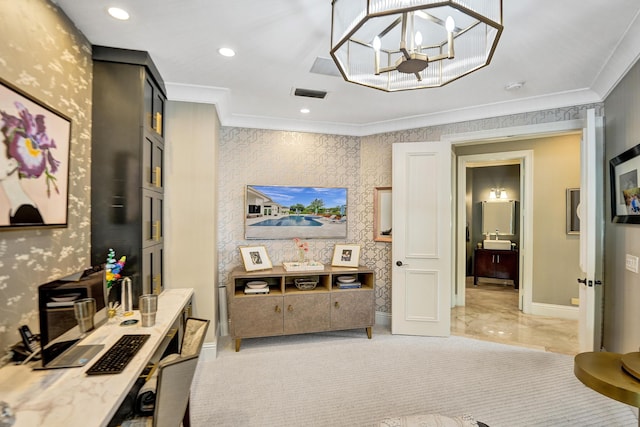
[554,310]
[209,351]
[383,319]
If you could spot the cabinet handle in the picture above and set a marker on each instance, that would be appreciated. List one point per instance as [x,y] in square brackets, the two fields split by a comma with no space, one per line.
[278,309]
[158,126]
[157,284]
[493,259]
[157,177]
[156,231]
[337,304]
[498,259]
[290,308]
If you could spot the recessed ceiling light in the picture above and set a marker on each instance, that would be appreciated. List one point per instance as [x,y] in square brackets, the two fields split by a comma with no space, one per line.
[118,13]
[225,51]
[305,110]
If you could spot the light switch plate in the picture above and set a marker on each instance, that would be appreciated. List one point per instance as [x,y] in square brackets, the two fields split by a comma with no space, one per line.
[631,263]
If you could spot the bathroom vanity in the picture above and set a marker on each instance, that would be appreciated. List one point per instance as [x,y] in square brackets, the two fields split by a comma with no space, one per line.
[497,264]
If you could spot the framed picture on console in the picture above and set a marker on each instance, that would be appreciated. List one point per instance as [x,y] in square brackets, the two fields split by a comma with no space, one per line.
[34,162]
[255,258]
[346,255]
[625,186]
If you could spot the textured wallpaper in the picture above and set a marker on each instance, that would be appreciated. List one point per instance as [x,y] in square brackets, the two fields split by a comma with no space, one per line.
[254,156]
[43,54]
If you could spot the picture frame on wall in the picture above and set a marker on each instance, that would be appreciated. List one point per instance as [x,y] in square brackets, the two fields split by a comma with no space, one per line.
[34,162]
[382,214]
[624,172]
[255,258]
[573,220]
[346,255]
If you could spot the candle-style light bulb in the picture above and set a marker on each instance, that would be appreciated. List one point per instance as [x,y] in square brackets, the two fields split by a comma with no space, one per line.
[450,24]
[418,38]
[377,43]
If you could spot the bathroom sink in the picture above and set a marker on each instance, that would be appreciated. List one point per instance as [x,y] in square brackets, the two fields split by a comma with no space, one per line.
[497,244]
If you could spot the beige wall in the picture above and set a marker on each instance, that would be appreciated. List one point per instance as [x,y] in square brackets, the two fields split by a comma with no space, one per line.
[621,287]
[43,54]
[191,160]
[556,163]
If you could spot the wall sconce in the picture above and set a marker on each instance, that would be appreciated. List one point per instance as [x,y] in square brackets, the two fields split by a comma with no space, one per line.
[497,192]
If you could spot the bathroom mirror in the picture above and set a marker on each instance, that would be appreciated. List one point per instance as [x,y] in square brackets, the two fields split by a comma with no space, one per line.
[382,214]
[498,215]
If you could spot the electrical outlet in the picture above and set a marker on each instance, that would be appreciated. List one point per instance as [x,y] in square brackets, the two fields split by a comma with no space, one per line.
[631,263]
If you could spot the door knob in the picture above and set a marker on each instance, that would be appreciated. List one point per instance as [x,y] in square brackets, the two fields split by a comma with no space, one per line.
[583,281]
[400,264]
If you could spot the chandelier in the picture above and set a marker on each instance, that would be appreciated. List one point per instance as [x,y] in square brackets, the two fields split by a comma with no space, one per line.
[395,45]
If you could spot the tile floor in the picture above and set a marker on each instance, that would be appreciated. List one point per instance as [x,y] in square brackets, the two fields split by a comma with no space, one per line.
[491,313]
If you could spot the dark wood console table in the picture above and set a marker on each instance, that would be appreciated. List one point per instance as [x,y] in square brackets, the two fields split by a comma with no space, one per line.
[497,264]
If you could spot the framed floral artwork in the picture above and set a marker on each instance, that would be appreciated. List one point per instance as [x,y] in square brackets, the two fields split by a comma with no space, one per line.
[34,162]
[346,255]
[255,258]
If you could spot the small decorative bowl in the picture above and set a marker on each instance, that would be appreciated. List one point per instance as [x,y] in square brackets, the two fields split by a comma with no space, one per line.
[346,279]
[305,284]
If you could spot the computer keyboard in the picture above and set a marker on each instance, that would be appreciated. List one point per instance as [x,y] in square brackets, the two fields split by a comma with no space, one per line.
[119,355]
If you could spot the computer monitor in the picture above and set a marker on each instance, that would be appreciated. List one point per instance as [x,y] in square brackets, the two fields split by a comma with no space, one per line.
[59,330]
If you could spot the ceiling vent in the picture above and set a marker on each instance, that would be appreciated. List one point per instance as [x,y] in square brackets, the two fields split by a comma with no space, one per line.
[325,66]
[309,93]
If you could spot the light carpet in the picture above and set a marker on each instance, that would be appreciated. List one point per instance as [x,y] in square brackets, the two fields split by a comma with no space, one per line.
[344,379]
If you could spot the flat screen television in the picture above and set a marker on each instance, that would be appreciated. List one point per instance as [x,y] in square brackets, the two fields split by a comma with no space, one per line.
[286,212]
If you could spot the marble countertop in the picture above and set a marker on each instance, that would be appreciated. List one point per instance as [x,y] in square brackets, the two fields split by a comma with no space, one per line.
[68,397]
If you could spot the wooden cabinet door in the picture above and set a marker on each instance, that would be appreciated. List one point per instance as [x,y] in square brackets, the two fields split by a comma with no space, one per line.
[483,265]
[256,316]
[152,269]
[503,265]
[306,313]
[152,224]
[352,309]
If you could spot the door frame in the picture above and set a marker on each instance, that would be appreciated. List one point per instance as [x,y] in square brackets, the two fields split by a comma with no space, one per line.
[524,158]
[493,136]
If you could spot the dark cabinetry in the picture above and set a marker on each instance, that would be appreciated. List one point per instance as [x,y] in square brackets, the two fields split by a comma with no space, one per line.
[127,160]
[498,264]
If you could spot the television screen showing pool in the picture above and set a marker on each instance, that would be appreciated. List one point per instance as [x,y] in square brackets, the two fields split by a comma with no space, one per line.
[286,212]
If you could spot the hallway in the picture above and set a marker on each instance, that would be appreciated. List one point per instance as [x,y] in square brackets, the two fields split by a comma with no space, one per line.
[491,313]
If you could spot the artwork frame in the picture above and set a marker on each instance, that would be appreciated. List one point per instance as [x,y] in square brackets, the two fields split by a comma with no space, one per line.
[293,211]
[34,162]
[255,258]
[624,171]
[382,214]
[346,255]
[573,220]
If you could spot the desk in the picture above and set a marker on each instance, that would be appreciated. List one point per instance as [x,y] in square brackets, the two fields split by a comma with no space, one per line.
[68,397]
[603,372]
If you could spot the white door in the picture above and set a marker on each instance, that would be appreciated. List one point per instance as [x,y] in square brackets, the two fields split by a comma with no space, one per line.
[422,236]
[591,228]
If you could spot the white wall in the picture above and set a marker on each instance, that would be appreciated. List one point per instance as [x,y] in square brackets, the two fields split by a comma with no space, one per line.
[190,218]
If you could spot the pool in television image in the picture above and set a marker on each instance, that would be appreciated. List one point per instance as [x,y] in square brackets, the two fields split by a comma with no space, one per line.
[286,212]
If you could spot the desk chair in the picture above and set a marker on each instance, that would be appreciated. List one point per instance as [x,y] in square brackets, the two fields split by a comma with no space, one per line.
[171,383]
[172,394]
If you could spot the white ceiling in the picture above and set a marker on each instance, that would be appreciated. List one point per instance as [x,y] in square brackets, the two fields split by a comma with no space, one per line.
[568,52]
